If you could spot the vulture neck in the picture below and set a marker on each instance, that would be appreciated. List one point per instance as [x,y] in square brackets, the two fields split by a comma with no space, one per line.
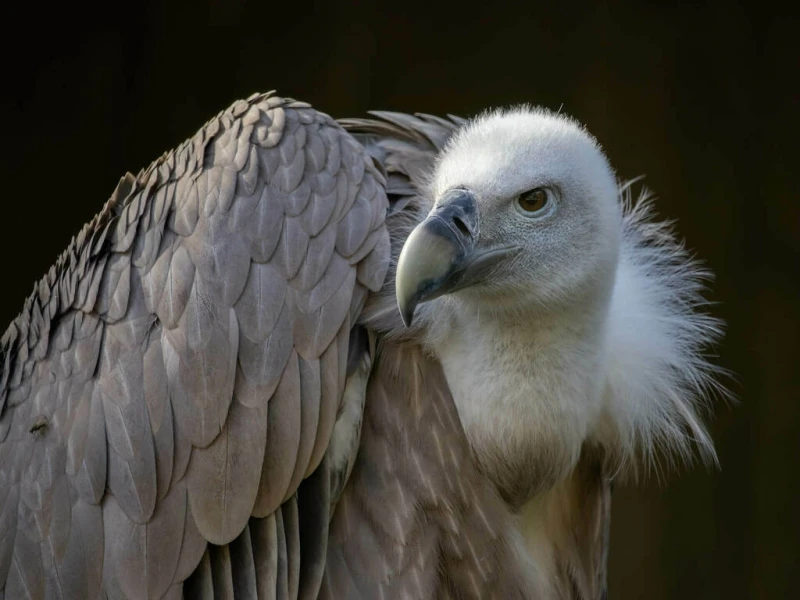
[528,390]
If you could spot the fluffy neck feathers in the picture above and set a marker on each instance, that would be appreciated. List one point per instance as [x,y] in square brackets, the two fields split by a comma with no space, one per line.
[525,386]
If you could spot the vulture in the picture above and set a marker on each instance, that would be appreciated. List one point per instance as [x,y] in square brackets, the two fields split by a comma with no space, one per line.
[402,356]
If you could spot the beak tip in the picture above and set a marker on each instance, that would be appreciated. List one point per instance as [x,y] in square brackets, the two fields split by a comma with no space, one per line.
[407,313]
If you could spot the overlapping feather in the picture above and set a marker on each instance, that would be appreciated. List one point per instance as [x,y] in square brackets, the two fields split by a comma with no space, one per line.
[177,375]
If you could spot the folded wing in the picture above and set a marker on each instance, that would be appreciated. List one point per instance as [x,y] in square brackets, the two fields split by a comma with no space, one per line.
[169,392]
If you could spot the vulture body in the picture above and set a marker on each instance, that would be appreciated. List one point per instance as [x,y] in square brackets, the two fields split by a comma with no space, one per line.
[213,393]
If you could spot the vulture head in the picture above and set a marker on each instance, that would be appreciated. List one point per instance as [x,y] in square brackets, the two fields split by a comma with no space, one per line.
[526,218]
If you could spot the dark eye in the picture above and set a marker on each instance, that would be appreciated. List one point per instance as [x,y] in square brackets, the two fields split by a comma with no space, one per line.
[533,200]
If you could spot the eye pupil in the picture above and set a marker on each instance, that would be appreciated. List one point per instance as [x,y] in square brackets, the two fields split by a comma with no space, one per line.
[533,201]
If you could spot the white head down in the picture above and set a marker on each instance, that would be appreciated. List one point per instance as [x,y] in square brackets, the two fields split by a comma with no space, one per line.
[543,185]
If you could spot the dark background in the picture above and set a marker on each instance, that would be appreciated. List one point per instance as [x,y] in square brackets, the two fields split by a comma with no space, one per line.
[703,99]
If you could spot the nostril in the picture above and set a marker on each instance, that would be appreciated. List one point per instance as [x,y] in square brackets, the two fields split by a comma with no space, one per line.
[462,227]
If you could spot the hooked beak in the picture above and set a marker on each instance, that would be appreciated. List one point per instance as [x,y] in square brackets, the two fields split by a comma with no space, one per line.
[441,254]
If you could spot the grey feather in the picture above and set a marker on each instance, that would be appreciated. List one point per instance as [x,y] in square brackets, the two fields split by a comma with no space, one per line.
[296,201]
[175,592]
[221,572]
[294,162]
[93,290]
[291,529]
[184,219]
[309,418]
[193,546]
[373,268]
[337,271]
[249,176]
[354,228]
[131,456]
[283,440]
[264,229]
[226,186]
[292,248]
[201,584]
[80,569]
[313,332]
[9,494]
[243,566]
[436,132]
[197,386]
[159,410]
[222,260]
[177,288]
[26,576]
[282,579]
[201,382]
[313,506]
[260,304]
[372,240]
[262,363]
[86,445]
[320,250]
[143,558]
[323,202]
[154,281]
[331,388]
[182,445]
[223,479]
[315,154]
[265,554]
[243,209]
[57,531]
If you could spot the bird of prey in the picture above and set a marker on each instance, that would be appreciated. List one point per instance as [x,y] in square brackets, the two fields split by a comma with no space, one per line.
[396,357]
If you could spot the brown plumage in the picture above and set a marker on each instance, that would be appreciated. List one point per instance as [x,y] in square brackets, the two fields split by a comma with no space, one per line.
[210,395]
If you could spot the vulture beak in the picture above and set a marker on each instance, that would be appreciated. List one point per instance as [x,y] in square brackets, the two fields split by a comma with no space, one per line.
[441,255]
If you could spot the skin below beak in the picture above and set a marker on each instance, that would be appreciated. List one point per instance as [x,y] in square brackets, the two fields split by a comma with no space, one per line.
[441,255]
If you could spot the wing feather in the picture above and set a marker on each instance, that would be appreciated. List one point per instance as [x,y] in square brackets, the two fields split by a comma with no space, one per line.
[193,545]
[243,567]
[159,410]
[26,577]
[9,496]
[283,441]
[331,389]
[309,418]
[80,570]
[143,557]
[291,530]
[222,572]
[223,478]
[175,379]
[201,584]
[265,552]
[89,474]
[131,455]
[282,579]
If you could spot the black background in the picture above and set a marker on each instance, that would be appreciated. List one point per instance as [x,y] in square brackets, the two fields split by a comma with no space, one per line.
[701,98]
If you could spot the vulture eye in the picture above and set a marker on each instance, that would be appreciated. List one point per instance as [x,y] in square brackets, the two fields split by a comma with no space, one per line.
[533,201]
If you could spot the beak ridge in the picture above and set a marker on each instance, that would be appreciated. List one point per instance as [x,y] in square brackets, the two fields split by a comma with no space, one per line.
[440,255]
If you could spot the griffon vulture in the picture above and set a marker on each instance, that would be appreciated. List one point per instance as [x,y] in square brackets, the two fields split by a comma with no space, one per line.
[400,357]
